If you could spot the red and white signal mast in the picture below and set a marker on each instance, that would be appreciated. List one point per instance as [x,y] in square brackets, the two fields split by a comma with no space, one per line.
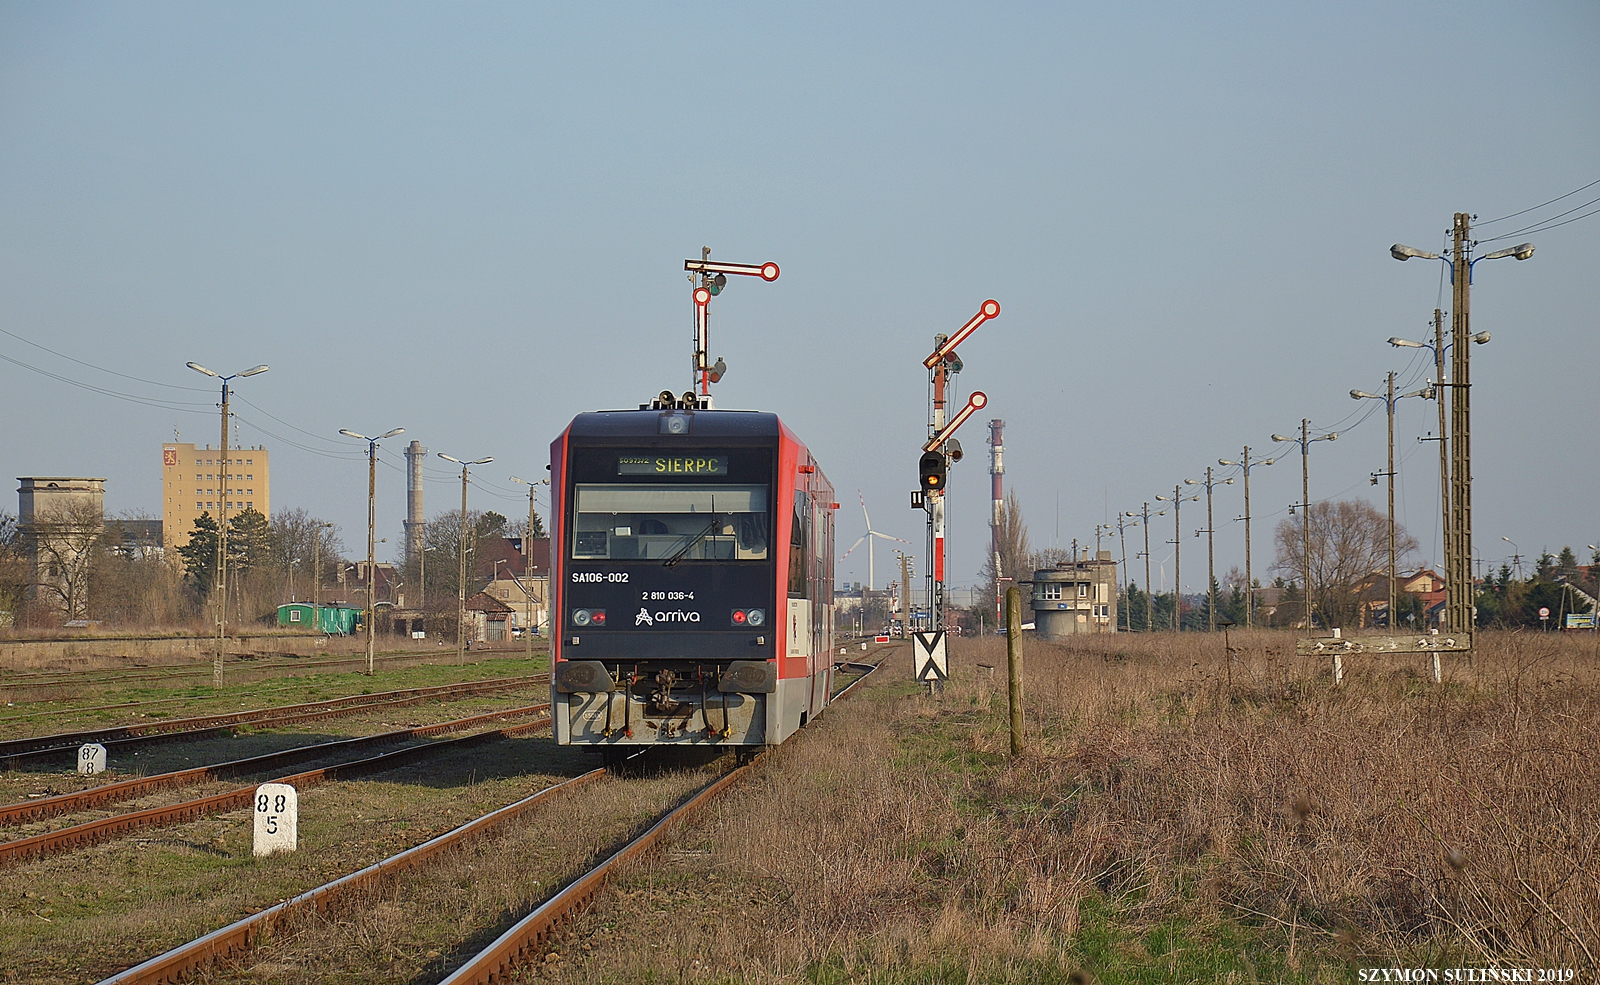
[941,449]
[709,279]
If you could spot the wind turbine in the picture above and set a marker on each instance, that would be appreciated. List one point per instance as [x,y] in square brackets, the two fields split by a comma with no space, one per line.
[871,533]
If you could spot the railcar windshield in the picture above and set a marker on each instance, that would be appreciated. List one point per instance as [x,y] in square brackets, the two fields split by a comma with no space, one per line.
[638,521]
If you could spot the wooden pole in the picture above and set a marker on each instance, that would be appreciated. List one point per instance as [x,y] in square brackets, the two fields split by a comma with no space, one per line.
[1014,665]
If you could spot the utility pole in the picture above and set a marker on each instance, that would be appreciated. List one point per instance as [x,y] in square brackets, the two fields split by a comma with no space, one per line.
[1304,441]
[1458,532]
[1211,549]
[372,528]
[1177,554]
[1389,402]
[527,571]
[461,584]
[905,597]
[1444,443]
[1249,576]
[1149,603]
[222,546]
[222,518]
[1459,582]
[1127,615]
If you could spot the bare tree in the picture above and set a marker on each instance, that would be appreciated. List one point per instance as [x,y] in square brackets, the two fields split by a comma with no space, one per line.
[1016,554]
[16,573]
[62,544]
[1349,545]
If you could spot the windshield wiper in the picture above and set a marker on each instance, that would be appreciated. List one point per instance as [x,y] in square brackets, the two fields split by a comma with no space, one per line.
[677,555]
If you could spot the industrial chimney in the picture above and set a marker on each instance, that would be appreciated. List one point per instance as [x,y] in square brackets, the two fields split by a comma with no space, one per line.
[415,454]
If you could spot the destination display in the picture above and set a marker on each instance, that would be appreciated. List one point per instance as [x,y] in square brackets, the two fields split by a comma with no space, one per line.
[712,464]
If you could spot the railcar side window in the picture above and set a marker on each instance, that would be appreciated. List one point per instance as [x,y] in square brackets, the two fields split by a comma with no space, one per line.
[638,521]
[798,536]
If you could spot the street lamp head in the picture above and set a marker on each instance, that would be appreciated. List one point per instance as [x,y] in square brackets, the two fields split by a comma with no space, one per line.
[1130,514]
[1279,437]
[1190,482]
[1521,251]
[449,459]
[1401,252]
[1164,499]
[479,461]
[1362,394]
[351,434]
[1268,461]
[1481,338]
[1228,481]
[1405,343]
[201,369]
[1226,461]
[253,370]
[390,434]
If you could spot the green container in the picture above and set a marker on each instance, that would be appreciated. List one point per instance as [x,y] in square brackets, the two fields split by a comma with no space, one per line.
[337,620]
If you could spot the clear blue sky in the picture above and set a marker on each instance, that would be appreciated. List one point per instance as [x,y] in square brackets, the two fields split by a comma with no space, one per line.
[469,220]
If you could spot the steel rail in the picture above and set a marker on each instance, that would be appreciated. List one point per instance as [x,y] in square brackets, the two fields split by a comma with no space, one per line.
[239,936]
[495,963]
[16,751]
[105,829]
[109,793]
[287,682]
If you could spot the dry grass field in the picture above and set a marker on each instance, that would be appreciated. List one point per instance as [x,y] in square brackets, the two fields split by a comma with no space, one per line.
[1172,819]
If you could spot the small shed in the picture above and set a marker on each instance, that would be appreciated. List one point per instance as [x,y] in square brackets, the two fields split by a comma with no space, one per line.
[337,620]
[488,619]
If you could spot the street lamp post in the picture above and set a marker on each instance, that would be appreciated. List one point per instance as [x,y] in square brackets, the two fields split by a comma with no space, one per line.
[461,584]
[222,518]
[527,571]
[1249,577]
[1516,555]
[1304,441]
[1211,548]
[1176,499]
[316,565]
[1122,524]
[1439,348]
[372,520]
[1389,402]
[1149,600]
[1458,535]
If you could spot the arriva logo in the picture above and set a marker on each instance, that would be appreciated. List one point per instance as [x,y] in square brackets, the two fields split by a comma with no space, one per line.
[644,618]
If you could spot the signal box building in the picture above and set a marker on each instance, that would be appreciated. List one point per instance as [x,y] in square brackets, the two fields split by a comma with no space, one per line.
[1076,597]
[193,480]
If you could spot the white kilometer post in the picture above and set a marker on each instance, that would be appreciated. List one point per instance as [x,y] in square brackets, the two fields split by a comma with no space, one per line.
[91,758]
[277,818]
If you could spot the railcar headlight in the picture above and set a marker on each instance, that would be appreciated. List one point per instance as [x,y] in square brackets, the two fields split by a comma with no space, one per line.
[588,617]
[756,617]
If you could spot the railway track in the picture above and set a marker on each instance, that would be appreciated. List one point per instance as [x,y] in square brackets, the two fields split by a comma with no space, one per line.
[197,669]
[94,832]
[110,793]
[490,965]
[16,752]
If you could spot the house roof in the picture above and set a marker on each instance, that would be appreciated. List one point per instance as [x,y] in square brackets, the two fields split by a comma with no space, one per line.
[484,602]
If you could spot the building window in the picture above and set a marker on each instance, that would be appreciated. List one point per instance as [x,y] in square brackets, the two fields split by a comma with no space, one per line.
[249,506]
[1083,589]
[1050,591]
[198,506]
